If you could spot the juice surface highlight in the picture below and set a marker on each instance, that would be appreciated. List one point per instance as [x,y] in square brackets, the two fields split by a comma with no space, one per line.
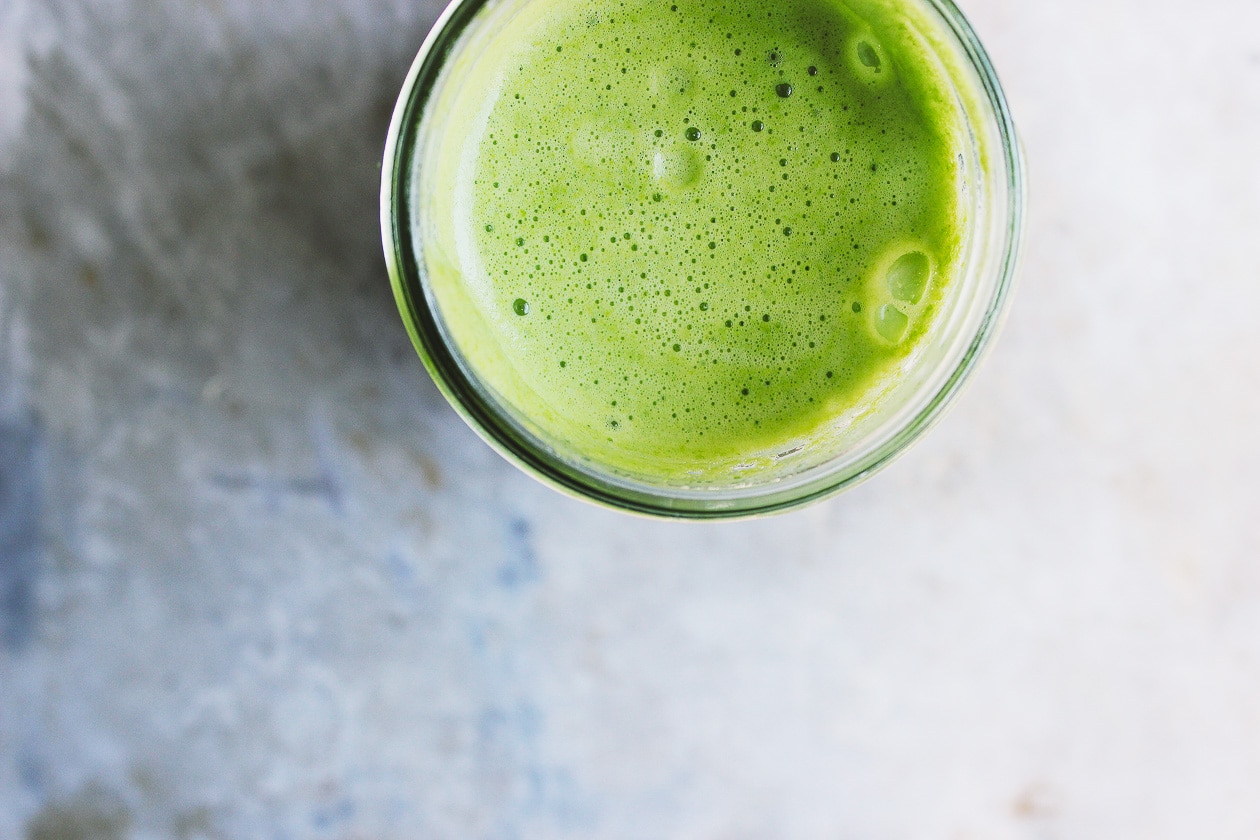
[690,234]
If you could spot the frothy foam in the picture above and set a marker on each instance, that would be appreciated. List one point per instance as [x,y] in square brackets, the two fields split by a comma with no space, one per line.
[707,224]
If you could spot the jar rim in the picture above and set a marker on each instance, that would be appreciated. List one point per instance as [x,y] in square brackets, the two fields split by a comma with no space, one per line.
[518,445]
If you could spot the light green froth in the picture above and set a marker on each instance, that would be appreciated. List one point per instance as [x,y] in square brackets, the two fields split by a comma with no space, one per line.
[679,233]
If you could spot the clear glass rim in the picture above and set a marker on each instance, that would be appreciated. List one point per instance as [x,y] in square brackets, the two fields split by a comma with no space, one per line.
[478,409]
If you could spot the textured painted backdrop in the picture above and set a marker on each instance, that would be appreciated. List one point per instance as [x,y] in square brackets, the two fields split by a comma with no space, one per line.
[258,581]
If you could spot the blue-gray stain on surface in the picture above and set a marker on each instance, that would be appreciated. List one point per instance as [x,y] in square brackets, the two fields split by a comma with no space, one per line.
[333,815]
[399,569]
[520,566]
[20,531]
[31,772]
[498,728]
[274,488]
[408,584]
[509,739]
[555,793]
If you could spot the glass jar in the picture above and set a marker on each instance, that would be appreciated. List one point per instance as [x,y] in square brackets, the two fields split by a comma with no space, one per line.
[993,192]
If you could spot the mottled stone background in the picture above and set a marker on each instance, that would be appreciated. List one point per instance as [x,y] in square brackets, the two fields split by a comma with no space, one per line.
[258,581]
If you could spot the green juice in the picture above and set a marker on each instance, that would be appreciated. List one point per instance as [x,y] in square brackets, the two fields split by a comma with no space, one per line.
[683,237]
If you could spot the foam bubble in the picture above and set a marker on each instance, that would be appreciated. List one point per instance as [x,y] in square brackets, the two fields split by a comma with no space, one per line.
[677,168]
[891,323]
[868,60]
[909,276]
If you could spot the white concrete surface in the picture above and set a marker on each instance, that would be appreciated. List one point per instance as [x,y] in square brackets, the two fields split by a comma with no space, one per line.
[258,581]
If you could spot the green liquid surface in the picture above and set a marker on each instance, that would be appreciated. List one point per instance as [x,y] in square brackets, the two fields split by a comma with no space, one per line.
[688,236]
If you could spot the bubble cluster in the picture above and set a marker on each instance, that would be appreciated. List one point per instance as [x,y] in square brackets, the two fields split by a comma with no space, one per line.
[706,225]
